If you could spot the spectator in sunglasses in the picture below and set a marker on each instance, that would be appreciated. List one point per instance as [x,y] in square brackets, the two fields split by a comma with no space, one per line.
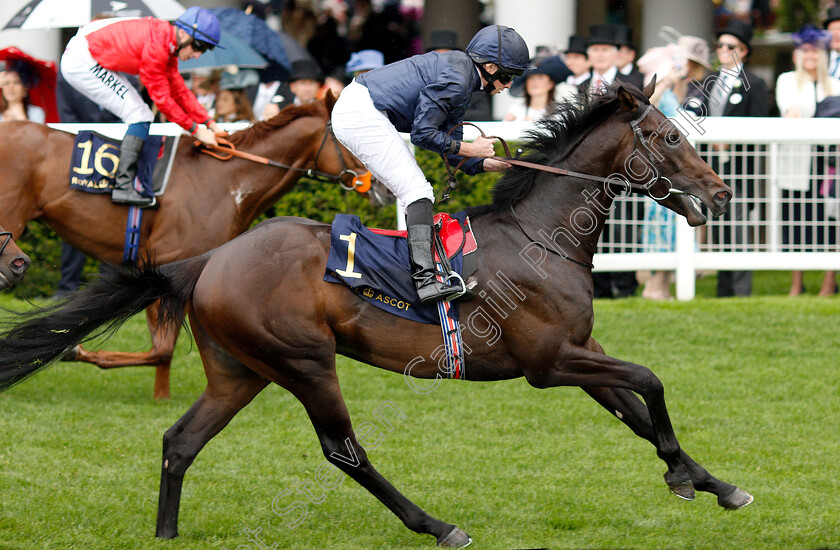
[734,91]
[95,58]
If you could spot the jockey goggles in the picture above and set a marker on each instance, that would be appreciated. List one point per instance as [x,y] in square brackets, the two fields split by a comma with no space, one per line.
[504,77]
[200,46]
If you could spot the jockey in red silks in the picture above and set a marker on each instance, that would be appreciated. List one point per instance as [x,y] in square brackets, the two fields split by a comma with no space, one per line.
[150,48]
[426,95]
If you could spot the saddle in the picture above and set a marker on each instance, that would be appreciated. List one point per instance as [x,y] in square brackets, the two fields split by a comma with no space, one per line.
[451,237]
[95,157]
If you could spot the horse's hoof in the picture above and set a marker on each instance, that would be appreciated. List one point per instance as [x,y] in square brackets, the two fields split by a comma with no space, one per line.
[736,499]
[683,489]
[456,538]
[70,354]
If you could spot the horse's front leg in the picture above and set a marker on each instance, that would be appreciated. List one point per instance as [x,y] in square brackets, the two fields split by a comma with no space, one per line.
[627,407]
[578,366]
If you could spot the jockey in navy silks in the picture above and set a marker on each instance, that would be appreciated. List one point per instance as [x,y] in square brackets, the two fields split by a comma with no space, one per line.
[426,96]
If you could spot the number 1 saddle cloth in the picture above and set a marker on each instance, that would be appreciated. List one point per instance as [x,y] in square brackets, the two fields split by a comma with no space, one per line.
[374,263]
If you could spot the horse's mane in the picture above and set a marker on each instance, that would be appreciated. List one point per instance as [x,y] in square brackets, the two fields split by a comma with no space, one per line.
[245,138]
[550,140]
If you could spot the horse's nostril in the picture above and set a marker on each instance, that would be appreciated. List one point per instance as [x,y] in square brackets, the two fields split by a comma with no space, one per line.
[20,264]
[721,196]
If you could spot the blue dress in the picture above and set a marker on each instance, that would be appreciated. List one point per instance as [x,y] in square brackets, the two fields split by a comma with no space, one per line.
[660,227]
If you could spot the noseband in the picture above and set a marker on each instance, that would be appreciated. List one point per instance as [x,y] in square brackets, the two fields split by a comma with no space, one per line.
[6,241]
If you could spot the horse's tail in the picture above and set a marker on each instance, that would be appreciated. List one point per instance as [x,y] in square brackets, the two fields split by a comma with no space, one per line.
[32,340]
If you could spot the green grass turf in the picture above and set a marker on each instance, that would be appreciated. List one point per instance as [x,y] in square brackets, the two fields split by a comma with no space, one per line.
[752,385]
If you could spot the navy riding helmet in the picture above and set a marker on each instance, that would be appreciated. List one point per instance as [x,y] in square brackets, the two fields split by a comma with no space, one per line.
[201,24]
[504,47]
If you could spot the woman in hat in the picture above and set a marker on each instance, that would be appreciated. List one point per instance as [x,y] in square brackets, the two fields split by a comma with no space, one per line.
[539,90]
[797,94]
[14,101]
[675,67]
[232,103]
[364,61]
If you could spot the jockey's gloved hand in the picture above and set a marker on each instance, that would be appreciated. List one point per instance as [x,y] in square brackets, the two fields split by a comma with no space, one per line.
[216,128]
[206,136]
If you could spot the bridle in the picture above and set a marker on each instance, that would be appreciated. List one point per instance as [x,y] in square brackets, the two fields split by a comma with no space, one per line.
[225,150]
[6,241]
[322,176]
[638,136]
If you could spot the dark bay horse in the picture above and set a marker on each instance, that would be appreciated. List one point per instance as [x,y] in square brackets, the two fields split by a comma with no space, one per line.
[208,202]
[260,311]
[13,262]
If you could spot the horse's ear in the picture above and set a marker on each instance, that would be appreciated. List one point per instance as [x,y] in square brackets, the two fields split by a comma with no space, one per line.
[626,99]
[648,91]
[329,100]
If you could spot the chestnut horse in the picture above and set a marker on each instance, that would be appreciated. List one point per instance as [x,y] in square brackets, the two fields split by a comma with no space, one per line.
[261,312]
[208,202]
[13,262]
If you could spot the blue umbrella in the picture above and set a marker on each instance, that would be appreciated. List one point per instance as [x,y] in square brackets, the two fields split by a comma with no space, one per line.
[236,52]
[257,34]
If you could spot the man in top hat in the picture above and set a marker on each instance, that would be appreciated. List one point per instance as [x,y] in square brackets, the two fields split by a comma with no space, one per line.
[735,92]
[305,80]
[627,54]
[832,25]
[602,52]
[577,62]
[442,40]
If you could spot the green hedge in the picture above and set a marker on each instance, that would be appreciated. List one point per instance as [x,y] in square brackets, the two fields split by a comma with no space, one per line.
[310,199]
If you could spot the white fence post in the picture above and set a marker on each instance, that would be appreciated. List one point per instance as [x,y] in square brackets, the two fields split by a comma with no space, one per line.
[686,274]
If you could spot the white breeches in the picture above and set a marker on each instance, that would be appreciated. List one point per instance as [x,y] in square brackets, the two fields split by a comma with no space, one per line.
[106,88]
[369,135]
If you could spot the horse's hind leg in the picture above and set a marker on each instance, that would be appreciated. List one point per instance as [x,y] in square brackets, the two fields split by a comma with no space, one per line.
[230,386]
[164,338]
[322,399]
[628,408]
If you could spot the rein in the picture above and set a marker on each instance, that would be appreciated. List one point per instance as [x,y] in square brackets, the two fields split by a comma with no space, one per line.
[226,150]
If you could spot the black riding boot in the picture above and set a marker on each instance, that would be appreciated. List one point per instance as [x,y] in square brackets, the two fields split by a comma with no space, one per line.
[124,191]
[429,289]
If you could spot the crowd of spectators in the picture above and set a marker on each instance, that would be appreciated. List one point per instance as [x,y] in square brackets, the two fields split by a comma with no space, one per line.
[347,38]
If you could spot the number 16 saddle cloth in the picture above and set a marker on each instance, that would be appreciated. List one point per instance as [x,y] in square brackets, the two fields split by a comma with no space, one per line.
[374,263]
[95,159]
